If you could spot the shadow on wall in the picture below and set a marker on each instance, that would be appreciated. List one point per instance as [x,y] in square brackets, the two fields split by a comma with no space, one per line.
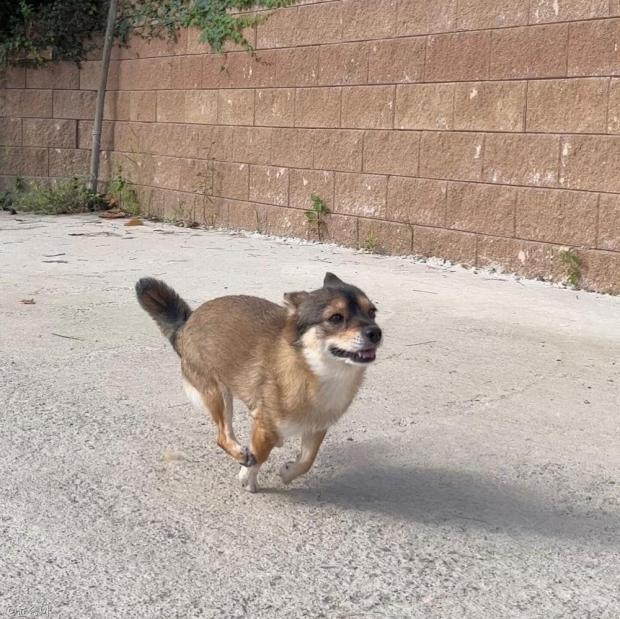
[455,498]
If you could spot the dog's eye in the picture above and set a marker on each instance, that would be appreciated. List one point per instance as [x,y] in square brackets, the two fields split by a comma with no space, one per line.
[372,313]
[336,319]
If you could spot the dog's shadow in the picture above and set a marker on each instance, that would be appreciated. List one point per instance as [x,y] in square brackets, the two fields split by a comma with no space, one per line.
[459,499]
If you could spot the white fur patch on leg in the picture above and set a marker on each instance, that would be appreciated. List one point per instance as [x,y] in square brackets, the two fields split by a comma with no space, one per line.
[310,444]
[290,470]
[247,476]
[194,396]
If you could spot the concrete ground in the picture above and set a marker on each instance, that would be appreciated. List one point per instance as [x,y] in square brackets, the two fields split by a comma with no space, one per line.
[476,475]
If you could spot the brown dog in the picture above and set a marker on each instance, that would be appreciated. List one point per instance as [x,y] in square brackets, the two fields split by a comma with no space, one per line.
[297,368]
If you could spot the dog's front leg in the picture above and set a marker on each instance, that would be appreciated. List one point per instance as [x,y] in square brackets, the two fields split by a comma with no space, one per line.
[310,443]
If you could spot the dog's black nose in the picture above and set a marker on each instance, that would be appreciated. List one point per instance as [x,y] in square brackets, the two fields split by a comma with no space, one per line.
[372,333]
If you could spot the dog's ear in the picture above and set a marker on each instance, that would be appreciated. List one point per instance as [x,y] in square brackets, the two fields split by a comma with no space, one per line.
[292,300]
[331,280]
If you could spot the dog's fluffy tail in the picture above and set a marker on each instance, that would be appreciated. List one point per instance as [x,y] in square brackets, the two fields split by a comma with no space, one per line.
[164,305]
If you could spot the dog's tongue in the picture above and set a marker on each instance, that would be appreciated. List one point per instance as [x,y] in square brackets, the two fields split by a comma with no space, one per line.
[367,354]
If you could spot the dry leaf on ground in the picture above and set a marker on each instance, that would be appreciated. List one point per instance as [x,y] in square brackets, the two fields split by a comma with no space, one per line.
[113,213]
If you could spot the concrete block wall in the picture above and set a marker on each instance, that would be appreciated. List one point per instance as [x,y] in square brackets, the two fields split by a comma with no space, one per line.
[482,131]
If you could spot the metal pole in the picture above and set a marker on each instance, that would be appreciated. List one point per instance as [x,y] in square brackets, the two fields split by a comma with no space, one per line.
[105,65]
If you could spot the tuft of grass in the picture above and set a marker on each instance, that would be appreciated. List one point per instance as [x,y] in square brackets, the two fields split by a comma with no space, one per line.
[122,193]
[371,242]
[57,198]
[572,263]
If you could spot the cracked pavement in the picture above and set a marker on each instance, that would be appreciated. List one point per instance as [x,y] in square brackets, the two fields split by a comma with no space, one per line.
[476,475]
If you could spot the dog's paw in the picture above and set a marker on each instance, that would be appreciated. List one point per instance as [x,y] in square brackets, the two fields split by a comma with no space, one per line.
[247,457]
[288,472]
[247,478]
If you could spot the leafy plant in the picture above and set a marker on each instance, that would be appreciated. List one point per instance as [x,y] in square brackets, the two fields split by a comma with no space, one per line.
[59,197]
[122,193]
[6,200]
[53,30]
[318,209]
[44,30]
[572,263]
[316,214]
[219,20]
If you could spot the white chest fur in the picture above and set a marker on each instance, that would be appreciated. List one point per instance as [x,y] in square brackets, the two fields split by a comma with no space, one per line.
[338,381]
[338,384]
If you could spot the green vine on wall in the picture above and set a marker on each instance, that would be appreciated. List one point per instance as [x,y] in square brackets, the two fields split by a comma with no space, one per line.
[219,24]
[40,31]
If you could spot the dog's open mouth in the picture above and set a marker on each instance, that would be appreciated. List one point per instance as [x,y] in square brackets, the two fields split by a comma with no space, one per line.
[361,356]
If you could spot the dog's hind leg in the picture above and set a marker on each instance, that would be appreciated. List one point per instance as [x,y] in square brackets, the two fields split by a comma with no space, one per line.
[227,433]
[217,401]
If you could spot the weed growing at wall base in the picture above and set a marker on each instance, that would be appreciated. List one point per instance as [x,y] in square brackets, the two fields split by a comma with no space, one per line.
[122,194]
[573,263]
[6,201]
[316,214]
[56,198]
[371,242]
[205,189]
